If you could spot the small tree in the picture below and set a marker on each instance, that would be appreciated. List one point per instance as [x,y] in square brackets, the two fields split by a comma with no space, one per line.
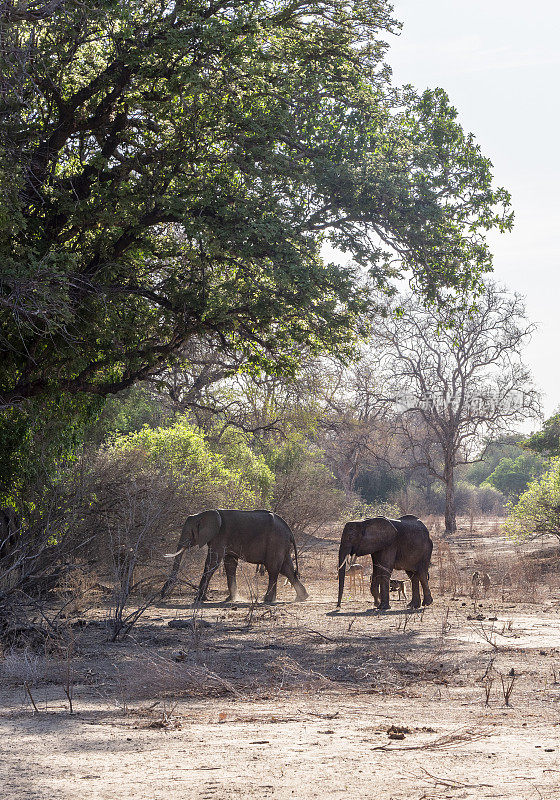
[538,509]
[459,378]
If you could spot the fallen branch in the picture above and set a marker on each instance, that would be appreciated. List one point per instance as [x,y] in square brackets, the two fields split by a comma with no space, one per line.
[321,716]
[451,783]
[460,736]
[322,635]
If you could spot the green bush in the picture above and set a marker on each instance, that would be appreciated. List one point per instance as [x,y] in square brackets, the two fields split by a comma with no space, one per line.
[238,457]
[538,508]
[234,477]
[478,472]
[512,475]
[136,491]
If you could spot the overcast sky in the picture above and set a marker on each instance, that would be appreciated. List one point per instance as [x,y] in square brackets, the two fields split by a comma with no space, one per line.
[499,61]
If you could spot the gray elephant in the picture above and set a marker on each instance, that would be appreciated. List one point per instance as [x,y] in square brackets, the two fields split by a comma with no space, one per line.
[393,544]
[259,537]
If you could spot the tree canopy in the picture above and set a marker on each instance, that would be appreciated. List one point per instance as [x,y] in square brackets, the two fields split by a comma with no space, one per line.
[171,171]
[512,476]
[547,440]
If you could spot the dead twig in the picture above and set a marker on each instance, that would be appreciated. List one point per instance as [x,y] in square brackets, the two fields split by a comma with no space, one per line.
[507,687]
[451,783]
[487,689]
[28,690]
[322,635]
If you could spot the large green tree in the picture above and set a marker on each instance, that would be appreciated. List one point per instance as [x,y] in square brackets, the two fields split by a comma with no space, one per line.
[172,170]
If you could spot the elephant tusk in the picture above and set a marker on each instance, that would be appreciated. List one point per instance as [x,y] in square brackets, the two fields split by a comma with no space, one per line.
[174,555]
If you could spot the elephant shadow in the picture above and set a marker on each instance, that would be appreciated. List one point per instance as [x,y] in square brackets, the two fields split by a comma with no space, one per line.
[374,612]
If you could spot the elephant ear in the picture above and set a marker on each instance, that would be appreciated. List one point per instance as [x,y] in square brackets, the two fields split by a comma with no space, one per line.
[207,527]
[379,533]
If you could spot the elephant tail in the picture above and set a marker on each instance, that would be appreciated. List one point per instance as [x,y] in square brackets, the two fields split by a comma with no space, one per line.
[295,554]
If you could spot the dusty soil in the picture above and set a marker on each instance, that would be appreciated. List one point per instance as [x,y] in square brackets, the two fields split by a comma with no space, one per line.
[301,701]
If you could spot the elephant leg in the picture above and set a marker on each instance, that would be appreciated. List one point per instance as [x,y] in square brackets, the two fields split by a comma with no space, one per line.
[416,602]
[230,566]
[381,576]
[211,564]
[270,595]
[374,583]
[290,573]
[428,599]
[374,588]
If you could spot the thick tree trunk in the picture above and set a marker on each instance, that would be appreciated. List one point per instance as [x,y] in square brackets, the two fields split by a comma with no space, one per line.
[450,518]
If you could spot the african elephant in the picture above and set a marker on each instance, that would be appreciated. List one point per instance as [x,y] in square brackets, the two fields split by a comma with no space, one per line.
[393,544]
[259,537]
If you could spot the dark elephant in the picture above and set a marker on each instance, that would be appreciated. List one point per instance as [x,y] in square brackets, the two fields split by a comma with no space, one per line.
[393,544]
[259,537]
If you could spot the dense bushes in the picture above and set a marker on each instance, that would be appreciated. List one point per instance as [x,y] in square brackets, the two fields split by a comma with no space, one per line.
[136,490]
[512,476]
[538,508]
[469,499]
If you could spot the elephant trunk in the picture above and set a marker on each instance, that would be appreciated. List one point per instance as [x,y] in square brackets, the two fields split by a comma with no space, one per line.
[343,554]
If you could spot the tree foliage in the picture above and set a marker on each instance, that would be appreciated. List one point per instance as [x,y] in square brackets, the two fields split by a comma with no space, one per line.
[547,440]
[171,171]
[489,457]
[512,476]
[538,508]
[181,451]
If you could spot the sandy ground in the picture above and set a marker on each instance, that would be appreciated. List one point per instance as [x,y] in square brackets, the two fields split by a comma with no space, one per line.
[298,700]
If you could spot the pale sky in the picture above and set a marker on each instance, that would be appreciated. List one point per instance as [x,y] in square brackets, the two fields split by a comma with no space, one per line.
[499,62]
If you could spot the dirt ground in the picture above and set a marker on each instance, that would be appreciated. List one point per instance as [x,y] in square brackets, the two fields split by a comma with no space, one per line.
[300,701]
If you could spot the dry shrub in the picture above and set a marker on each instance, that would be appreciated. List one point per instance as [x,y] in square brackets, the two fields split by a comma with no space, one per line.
[446,568]
[525,577]
[410,500]
[433,523]
[79,589]
[21,667]
[144,678]
[293,675]
[308,500]
[122,502]
[546,561]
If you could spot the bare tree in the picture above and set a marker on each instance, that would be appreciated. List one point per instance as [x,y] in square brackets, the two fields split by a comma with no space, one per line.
[459,379]
[354,426]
